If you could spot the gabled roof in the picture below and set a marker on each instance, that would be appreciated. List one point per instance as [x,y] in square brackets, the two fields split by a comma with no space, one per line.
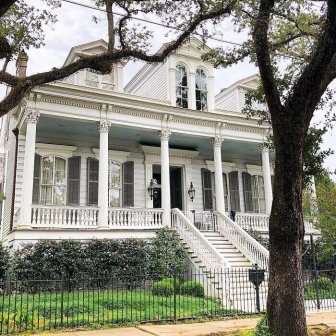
[193,47]
[91,48]
[251,82]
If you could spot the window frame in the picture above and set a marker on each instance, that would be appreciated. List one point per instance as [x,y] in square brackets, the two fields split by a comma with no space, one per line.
[100,80]
[201,90]
[256,191]
[182,87]
[115,162]
[41,184]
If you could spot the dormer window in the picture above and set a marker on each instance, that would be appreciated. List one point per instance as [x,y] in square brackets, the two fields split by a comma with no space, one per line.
[96,80]
[181,86]
[201,90]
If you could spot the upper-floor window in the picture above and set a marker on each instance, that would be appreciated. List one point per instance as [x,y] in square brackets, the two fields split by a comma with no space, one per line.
[201,90]
[181,86]
[96,80]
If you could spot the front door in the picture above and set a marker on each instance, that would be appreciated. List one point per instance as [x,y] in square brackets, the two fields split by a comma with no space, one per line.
[175,187]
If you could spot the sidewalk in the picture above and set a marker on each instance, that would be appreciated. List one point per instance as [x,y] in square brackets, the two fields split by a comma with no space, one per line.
[194,329]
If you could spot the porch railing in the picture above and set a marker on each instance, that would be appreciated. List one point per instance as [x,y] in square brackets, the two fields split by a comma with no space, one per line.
[260,222]
[58,216]
[246,244]
[135,218]
[118,218]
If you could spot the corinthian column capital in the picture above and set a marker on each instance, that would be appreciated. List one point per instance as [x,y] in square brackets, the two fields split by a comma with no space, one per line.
[165,134]
[103,126]
[217,141]
[32,116]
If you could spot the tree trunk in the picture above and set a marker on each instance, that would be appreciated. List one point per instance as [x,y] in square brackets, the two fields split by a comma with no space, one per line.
[285,306]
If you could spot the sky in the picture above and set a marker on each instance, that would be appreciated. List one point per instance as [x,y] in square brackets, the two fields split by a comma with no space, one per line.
[75,26]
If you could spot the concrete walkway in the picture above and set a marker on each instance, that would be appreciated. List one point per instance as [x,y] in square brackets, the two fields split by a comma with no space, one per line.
[195,329]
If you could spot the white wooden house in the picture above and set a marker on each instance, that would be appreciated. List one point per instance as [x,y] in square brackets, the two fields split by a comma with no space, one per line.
[77,158]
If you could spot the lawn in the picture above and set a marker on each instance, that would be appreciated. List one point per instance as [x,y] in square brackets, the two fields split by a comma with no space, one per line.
[41,311]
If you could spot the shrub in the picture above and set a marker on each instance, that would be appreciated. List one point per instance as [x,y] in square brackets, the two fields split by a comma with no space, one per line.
[262,328]
[192,288]
[163,288]
[178,282]
[324,283]
[166,255]
[4,262]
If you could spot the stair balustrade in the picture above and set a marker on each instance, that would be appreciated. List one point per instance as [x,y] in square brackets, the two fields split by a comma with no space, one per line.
[246,244]
[201,247]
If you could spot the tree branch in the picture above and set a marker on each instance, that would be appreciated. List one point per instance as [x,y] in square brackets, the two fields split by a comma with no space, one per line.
[319,72]
[5,5]
[262,49]
[101,63]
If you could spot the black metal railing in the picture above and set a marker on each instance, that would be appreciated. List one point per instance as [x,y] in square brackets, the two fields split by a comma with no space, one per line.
[29,303]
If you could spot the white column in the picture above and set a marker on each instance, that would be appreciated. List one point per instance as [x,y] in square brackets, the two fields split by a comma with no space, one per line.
[32,117]
[165,176]
[267,179]
[217,143]
[103,174]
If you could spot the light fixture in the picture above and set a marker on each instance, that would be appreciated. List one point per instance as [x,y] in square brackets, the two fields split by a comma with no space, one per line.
[191,192]
[152,189]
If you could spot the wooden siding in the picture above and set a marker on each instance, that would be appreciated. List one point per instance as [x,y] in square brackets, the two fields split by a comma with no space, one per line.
[227,101]
[153,85]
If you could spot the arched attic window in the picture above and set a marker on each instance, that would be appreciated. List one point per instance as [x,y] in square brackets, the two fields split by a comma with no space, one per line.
[201,90]
[181,86]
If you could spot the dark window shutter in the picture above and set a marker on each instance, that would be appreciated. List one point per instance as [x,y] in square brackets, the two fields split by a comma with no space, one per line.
[234,191]
[207,190]
[36,183]
[247,187]
[74,164]
[92,186]
[128,183]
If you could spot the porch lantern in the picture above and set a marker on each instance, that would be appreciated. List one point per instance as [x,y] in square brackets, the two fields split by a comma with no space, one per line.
[152,189]
[191,192]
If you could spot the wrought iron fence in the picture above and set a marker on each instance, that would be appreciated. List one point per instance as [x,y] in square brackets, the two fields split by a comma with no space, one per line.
[29,303]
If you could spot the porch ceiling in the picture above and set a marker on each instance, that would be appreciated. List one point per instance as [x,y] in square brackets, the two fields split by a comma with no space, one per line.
[77,133]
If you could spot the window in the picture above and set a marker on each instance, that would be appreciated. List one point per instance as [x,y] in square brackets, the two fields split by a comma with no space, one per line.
[207,189]
[181,87]
[258,194]
[92,187]
[94,79]
[53,181]
[114,184]
[234,191]
[201,90]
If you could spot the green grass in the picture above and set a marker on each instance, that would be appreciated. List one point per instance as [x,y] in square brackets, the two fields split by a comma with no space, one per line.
[21,312]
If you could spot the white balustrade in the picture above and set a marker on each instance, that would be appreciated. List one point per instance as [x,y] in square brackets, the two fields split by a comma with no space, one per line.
[58,216]
[242,240]
[202,248]
[128,218]
[260,222]
[203,220]
[257,222]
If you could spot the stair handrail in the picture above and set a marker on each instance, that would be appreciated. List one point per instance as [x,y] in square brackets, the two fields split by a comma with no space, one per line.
[203,249]
[245,243]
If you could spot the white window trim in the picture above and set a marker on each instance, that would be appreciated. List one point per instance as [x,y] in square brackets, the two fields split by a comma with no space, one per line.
[55,150]
[65,178]
[113,155]
[100,81]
